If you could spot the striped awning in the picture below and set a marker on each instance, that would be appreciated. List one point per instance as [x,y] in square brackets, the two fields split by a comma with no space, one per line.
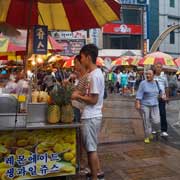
[157,57]
[177,61]
[67,15]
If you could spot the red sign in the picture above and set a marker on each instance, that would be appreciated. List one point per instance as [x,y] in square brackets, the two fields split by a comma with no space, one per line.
[122,29]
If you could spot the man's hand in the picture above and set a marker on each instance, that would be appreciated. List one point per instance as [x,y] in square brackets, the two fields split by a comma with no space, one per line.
[75,95]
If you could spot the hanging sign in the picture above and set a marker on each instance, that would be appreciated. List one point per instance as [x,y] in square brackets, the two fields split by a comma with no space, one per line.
[40,38]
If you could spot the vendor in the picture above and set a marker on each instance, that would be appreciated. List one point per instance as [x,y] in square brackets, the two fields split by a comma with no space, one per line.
[11,86]
[49,81]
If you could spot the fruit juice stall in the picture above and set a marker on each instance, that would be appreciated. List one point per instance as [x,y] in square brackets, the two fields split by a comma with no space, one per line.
[38,137]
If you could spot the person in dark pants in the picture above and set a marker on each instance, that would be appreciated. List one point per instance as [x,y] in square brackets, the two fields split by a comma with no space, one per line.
[163,85]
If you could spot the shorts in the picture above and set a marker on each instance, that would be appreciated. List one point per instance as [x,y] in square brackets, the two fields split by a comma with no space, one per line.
[131,84]
[90,131]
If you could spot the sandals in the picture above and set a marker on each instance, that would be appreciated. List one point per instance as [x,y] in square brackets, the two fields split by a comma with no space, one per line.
[87,172]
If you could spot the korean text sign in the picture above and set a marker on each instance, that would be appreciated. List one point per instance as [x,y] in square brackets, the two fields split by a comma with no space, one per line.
[40,38]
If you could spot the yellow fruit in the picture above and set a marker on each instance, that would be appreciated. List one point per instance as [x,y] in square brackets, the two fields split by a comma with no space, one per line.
[73,161]
[3,150]
[66,147]
[69,139]
[68,169]
[58,148]
[22,143]
[32,140]
[54,114]
[9,142]
[50,152]
[3,171]
[68,156]
[4,177]
[73,152]
[3,165]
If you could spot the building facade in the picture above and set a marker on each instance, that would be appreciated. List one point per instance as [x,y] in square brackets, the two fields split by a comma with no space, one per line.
[165,13]
[128,34]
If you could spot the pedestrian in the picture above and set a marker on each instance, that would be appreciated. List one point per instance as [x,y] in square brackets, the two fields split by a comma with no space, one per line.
[163,84]
[147,102]
[172,84]
[92,113]
[118,82]
[124,81]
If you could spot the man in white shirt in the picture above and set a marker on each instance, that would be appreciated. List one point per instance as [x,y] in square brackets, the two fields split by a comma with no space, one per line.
[92,113]
[164,86]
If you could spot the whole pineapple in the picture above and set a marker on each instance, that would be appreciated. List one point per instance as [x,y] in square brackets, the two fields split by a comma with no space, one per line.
[67,114]
[54,109]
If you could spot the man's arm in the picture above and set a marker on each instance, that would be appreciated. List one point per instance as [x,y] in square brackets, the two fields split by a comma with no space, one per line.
[91,99]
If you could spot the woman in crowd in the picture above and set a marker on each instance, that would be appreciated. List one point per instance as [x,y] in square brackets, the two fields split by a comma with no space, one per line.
[124,82]
[147,103]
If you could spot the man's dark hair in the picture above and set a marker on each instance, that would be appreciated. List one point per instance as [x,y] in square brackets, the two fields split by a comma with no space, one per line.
[78,57]
[91,50]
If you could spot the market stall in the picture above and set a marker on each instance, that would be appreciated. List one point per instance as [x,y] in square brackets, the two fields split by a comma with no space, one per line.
[38,140]
[36,143]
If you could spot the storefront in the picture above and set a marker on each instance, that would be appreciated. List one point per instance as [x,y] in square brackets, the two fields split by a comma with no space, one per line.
[122,36]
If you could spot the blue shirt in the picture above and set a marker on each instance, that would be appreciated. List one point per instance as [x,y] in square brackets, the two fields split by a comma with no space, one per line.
[124,79]
[148,93]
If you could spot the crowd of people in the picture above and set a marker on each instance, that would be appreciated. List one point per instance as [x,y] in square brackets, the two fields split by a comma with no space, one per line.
[127,82]
[124,82]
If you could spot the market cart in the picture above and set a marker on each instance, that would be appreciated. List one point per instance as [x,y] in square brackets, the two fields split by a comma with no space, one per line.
[31,148]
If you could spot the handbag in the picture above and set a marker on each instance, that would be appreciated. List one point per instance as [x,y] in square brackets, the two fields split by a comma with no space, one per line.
[160,97]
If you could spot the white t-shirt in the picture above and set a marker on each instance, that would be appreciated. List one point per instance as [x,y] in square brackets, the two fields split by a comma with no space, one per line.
[96,86]
[119,78]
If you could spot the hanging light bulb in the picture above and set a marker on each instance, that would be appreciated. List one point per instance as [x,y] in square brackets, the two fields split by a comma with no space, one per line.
[33,63]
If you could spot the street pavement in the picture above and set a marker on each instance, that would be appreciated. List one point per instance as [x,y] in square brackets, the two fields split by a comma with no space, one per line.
[122,152]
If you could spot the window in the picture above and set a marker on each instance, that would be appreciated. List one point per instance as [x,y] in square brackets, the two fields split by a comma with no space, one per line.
[172,3]
[122,42]
[130,16]
[172,38]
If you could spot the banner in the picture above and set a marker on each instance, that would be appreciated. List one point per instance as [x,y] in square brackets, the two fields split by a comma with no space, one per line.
[40,38]
[37,153]
[123,29]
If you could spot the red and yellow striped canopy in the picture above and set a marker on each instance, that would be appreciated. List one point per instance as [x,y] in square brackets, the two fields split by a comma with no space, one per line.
[121,62]
[70,62]
[132,60]
[177,61]
[157,57]
[67,15]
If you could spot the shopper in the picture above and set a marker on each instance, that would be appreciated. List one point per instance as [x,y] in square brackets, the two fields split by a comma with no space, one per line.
[163,83]
[124,82]
[147,103]
[92,113]
[118,82]
[80,86]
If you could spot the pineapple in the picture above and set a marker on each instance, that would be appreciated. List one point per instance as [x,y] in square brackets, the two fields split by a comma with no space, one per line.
[54,114]
[61,96]
[67,115]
